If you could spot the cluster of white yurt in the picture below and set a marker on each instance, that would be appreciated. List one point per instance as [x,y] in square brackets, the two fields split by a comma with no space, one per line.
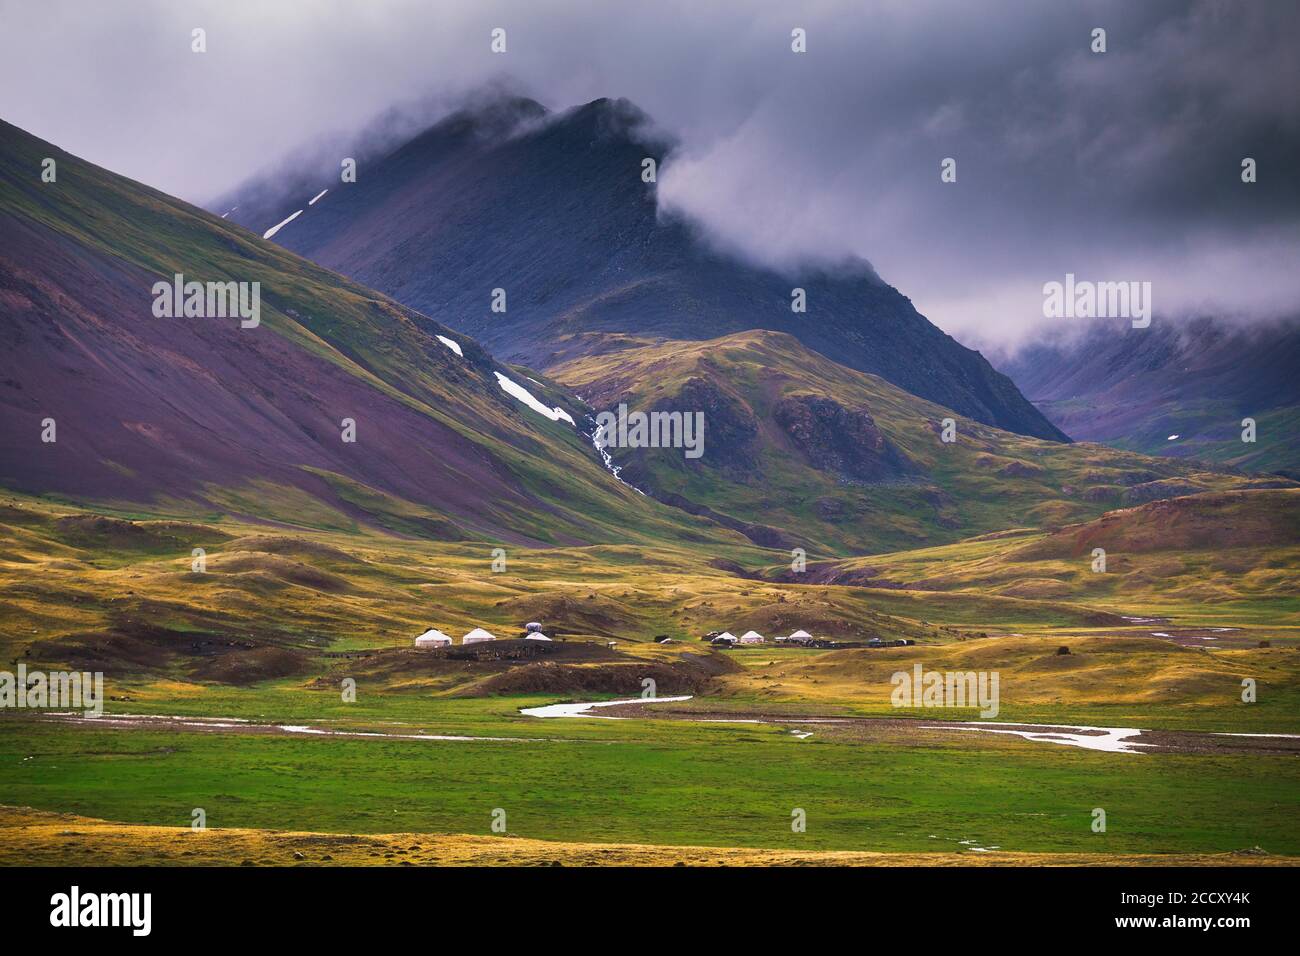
[434,638]
[749,637]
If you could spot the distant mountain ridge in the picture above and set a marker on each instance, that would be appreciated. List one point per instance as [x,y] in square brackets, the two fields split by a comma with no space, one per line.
[1175,388]
[552,209]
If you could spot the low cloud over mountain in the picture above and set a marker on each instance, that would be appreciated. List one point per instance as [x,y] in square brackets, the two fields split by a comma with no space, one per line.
[1116,165]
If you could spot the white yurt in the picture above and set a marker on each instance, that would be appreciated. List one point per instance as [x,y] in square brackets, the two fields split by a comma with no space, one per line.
[433,638]
[800,637]
[478,636]
[726,636]
[752,637]
[536,636]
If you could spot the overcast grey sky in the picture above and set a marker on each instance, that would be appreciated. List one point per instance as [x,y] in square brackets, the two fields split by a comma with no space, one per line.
[1122,165]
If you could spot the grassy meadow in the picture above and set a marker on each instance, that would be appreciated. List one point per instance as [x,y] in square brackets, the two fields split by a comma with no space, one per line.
[664,782]
[280,618]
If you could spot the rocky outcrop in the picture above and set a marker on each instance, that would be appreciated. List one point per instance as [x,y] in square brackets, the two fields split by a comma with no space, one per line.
[729,426]
[837,439]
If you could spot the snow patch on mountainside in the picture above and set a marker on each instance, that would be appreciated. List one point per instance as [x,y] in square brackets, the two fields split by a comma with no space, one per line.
[513,388]
[280,225]
[451,344]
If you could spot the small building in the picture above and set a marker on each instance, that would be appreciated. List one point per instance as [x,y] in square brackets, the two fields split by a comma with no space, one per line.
[433,638]
[478,636]
[752,637]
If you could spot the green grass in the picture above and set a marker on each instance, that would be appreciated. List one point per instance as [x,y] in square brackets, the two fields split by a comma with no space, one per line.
[714,786]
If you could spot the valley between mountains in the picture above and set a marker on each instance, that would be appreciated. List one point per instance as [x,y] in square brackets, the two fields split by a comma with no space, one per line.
[202,534]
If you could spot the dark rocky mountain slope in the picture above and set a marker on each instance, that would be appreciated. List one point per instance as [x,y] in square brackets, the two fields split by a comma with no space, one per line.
[553,209]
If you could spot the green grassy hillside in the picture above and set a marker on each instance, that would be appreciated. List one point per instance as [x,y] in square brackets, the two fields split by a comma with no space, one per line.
[196,417]
[783,451]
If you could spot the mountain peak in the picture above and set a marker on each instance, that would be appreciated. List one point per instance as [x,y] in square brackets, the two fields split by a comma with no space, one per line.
[508,107]
[488,115]
[615,119]
[557,214]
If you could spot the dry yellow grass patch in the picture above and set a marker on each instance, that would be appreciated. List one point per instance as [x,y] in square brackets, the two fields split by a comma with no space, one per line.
[38,838]
[1104,670]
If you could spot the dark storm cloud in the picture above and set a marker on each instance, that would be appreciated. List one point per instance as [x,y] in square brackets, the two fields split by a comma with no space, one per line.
[1122,165]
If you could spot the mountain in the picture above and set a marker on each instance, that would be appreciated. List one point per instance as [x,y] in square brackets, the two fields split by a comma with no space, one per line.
[799,451]
[199,416]
[202,416]
[553,209]
[1179,389]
